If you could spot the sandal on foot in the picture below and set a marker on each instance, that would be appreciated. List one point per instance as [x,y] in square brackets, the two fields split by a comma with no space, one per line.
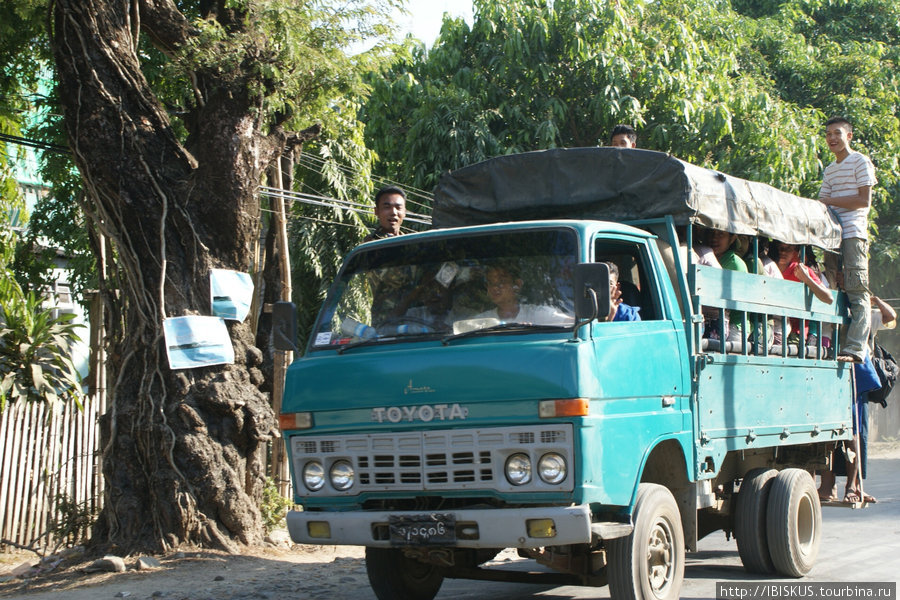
[850,358]
[869,499]
[827,498]
[852,497]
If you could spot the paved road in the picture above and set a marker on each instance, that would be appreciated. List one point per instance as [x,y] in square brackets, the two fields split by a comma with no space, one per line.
[858,545]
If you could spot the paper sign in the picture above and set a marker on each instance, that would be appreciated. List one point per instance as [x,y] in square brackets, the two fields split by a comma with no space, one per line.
[231,294]
[197,342]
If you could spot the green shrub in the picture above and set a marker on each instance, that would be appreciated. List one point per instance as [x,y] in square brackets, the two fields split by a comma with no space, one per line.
[35,361]
[274,506]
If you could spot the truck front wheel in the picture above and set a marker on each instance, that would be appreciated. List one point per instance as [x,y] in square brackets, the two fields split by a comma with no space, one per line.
[395,576]
[750,520]
[649,563]
[794,522]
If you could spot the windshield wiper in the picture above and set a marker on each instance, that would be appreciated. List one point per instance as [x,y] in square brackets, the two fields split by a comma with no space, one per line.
[387,338]
[358,343]
[500,327]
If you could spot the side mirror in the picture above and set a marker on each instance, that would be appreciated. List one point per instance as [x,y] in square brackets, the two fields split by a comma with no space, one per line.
[591,291]
[284,326]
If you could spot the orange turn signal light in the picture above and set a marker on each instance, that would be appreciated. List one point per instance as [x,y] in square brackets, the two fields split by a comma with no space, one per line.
[568,407]
[300,420]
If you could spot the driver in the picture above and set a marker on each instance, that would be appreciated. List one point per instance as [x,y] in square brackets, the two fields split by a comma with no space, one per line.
[504,285]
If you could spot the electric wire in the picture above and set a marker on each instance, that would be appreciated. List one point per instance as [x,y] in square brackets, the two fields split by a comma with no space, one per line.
[315,167]
[317,200]
[22,141]
[312,162]
[292,216]
[407,188]
[315,164]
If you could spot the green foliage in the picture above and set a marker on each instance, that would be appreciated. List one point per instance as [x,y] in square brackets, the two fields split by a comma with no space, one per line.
[11,204]
[842,58]
[530,75]
[273,507]
[337,166]
[300,74]
[299,68]
[35,363]
[742,86]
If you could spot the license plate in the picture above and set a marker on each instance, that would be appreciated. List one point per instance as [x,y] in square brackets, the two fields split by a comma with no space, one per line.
[423,530]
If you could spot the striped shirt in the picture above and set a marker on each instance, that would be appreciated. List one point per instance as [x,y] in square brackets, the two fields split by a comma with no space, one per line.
[844,179]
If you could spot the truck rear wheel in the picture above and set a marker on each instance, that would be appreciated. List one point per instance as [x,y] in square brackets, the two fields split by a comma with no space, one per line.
[395,576]
[794,522]
[750,521]
[649,563]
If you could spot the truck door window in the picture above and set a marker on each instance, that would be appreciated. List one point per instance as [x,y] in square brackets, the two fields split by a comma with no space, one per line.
[635,280]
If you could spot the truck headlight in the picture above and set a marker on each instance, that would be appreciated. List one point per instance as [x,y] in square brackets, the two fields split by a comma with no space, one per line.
[552,468]
[313,475]
[342,475]
[518,469]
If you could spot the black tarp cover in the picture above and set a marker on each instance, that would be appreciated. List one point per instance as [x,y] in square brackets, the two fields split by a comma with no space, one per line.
[626,185]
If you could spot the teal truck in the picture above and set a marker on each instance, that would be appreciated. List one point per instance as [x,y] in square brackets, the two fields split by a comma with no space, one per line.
[465,391]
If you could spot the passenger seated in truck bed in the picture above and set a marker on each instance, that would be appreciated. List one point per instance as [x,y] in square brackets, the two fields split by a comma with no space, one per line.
[724,247]
[793,269]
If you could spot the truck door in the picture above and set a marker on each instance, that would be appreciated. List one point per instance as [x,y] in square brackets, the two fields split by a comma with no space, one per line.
[641,369]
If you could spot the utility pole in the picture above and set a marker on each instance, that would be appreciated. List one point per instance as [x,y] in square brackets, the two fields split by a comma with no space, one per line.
[279,470]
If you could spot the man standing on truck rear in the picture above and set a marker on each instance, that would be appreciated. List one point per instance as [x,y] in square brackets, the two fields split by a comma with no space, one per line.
[847,189]
[390,210]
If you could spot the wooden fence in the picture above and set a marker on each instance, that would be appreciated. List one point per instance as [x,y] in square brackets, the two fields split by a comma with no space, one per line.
[47,459]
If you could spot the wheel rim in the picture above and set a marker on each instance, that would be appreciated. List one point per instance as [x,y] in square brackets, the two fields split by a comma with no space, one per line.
[806,524]
[660,557]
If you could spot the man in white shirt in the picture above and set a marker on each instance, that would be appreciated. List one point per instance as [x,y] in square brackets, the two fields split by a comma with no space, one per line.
[847,189]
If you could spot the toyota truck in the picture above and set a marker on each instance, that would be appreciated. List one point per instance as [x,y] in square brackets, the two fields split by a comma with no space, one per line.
[436,430]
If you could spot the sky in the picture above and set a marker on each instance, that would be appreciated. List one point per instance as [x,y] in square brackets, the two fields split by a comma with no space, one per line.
[424,18]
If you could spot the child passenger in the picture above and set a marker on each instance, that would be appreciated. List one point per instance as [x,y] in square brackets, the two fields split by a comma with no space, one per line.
[618,310]
[793,269]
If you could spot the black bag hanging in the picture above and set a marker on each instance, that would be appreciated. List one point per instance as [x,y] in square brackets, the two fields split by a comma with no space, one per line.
[887,369]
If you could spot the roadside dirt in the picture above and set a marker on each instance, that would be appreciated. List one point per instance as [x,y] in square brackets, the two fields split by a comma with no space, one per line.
[266,572]
[279,571]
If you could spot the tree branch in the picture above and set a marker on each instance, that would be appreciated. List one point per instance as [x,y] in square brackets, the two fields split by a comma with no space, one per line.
[297,138]
[166,26]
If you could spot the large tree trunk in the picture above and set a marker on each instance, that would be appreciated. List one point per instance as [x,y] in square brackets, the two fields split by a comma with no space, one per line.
[183,451]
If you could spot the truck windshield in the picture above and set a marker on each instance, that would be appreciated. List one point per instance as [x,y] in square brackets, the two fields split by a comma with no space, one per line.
[452,285]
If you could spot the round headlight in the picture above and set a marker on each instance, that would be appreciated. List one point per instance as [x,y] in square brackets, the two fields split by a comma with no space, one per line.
[552,468]
[314,475]
[342,475]
[518,469]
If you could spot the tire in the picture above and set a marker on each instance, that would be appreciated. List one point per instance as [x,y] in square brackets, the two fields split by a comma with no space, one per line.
[649,563]
[394,576]
[794,522]
[750,521]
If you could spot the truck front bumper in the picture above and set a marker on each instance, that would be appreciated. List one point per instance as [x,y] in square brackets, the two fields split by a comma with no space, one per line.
[479,528]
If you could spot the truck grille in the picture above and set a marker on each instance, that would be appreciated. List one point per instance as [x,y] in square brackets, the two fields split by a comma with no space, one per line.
[434,460]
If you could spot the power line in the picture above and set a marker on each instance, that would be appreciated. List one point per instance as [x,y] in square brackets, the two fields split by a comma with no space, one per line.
[313,163]
[15,139]
[292,216]
[328,202]
[408,188]
[316,168]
